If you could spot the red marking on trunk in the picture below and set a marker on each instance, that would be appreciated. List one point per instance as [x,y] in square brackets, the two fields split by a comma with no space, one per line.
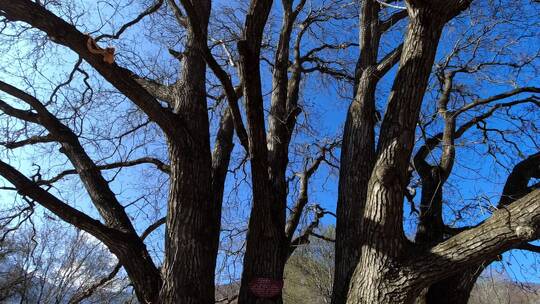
[265,287]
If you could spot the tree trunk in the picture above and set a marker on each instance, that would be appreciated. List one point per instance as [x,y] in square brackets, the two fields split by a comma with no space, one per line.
[265,242]
[193,221]
[455,289]
[430,227]
[357,156]
[379,277]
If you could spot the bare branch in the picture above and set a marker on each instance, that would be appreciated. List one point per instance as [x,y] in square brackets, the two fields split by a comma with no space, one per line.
[528,247]
[154,8]
[389,61]
[504,95]
[505,229]
[158,90]
[29,141]
[391,5]
[385,25]
[66,34]
[28,188]
[123,164]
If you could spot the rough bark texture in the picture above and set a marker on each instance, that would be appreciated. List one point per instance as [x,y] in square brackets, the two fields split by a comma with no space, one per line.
[357,156]
[194,213]
[374,280]
[358,149]
[374,261]
[193,219]
[265,244]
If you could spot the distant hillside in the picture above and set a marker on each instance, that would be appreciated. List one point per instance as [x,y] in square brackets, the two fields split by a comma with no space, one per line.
[489,291]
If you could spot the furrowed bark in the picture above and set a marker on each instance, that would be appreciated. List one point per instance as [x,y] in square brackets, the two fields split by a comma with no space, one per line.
[193,218]
[384,242]
[265,247]
[358,152]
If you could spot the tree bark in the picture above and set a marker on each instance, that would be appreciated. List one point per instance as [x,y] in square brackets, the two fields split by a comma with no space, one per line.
[265,241]
[194,212]
[357,156]
[457,288]
[384,242]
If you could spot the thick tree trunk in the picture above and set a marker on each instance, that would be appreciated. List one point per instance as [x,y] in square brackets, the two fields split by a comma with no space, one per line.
[455,289]
[265,243]
[193,220]
[356,163]
[378,277]
[357,156]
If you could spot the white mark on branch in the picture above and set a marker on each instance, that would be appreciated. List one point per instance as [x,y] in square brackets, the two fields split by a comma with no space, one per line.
[525,232]
[391,5]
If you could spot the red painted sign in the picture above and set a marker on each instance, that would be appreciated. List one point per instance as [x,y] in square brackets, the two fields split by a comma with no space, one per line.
[265,287]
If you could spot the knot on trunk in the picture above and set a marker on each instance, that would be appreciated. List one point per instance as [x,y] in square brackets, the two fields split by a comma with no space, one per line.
[525,233]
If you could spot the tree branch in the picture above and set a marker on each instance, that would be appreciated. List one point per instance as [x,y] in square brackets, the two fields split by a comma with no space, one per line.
[129,163]
[158,90]
[66,34]
[17,113]
[30,189]
[90,290]
[29,141]
[505,229]
[528,247]
[97,187]
[497,97]
[389,61]
[154,8]
[393,19]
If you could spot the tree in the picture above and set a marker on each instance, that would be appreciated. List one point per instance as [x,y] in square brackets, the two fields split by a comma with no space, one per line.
[309,272]
[196,173]
[388,267]
[174,107]
[54,263]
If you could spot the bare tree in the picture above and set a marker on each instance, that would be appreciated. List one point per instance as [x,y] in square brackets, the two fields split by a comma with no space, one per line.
[51,263]
[260,67]
[370,235]
[195,172]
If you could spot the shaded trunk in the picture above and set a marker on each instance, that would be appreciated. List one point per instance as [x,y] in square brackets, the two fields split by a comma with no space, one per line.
[193,220]
[455,289]
[357,156]
[265,242]
[430,227]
